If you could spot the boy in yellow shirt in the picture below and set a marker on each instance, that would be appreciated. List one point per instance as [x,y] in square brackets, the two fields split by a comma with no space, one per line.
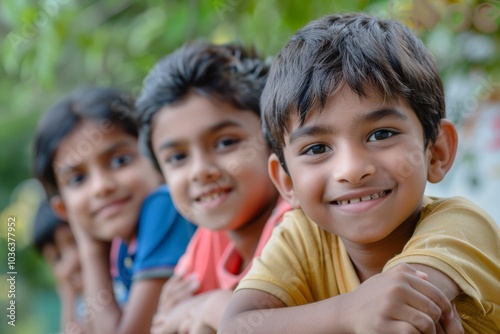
[354,112]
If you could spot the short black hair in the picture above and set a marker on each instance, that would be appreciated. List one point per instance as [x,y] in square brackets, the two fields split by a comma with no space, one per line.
[95,103]
[228,73]
[363,53]
[45,225]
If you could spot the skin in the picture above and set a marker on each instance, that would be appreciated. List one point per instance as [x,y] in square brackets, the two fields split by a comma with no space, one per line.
[215,160]
[101,193]
[373,149]
[62,256]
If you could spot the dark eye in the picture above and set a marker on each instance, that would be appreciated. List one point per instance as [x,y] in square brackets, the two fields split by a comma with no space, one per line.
[175,158]
[317,149]
[121,160]
[226,142]
[381,135]
[75,179]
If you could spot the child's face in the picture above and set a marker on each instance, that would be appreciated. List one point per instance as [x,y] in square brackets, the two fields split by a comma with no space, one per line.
[103,179]
[214,159]
[359,167]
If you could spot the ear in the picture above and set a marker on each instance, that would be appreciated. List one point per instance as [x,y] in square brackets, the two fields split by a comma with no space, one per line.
[58,207]
[442,152]
[282,181]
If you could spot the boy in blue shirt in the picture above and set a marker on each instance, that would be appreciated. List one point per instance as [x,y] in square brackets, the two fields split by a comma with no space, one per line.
[87,158]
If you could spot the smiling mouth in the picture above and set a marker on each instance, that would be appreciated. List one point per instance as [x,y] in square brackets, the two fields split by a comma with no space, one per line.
[211,196]
[362,199]
[112,207]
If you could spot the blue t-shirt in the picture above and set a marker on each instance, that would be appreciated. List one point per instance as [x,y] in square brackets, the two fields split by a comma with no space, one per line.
[162,237]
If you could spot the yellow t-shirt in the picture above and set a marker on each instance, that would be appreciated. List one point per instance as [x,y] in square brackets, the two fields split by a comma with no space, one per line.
[302,263]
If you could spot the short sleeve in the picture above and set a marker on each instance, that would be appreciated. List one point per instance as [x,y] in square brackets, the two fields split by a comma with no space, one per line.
[203,256]
[162,237]
[462,241]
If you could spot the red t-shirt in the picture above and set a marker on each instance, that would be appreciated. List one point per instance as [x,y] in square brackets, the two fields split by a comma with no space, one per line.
[214,258]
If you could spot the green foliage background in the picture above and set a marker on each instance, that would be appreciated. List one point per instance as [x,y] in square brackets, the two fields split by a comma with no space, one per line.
[50,47]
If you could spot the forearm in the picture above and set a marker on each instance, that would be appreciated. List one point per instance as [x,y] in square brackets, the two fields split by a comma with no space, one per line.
[103,313]
[217,306]
[440,280]
[69,322]
[273,317]
[399,300]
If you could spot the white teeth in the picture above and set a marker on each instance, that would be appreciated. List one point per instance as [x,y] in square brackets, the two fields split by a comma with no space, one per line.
[210,197]
[362,199]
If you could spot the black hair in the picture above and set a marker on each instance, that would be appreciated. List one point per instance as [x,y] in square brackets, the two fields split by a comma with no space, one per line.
[363,53]
[45,225]
[227,73]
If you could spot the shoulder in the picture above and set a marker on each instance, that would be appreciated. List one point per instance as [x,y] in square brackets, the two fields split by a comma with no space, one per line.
[448,220]
[455,210]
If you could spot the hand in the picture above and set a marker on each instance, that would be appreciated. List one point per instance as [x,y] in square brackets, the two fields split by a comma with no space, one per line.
[87,244]
[206,317]
[176,290]
[453,325]
[397,301]
[170,321]
[62,256]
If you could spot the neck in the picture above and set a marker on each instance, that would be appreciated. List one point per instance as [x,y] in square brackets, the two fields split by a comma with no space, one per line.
[247,237]
[370,259]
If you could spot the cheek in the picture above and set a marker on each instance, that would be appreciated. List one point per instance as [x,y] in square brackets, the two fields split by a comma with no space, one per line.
[410,165]
[255,174]
[76,206]
[178,191]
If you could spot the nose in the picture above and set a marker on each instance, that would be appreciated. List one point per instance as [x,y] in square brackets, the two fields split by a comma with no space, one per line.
[102,182]
[353,165]
[204,167]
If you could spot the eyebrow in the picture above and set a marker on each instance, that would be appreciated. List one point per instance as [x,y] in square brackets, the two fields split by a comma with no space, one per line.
[328,129]
[214,128]
[118,145]
[379,114]
[311,130]
[65,168]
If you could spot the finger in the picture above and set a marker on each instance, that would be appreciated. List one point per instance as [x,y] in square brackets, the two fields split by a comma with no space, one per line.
[428,289]
[453,325]
[406,268]
[401,327]
[176,291]
[167,291]
[165,288]
[185,326]
[429,298]
[199,327]
[171,285]
[422,322]
[157,318]
[439,328]
[171,320]
[157,326]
